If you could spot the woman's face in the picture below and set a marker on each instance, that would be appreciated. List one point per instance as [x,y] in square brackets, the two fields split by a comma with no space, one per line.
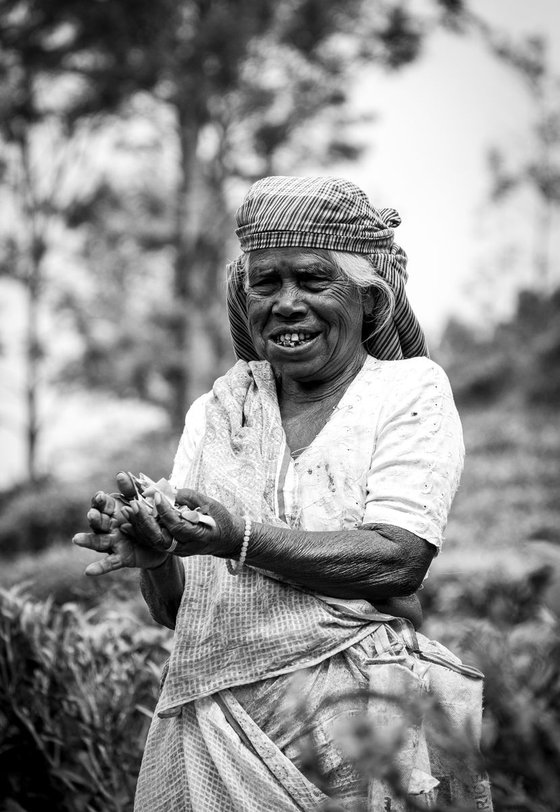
[305,316]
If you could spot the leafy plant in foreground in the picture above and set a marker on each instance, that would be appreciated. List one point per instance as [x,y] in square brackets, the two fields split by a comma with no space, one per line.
[75,703]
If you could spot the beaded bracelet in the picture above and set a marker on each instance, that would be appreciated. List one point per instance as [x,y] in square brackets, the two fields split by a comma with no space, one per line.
[235,567]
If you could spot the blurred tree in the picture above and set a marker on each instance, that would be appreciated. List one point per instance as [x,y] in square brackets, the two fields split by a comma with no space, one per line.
[540,171]
[35,193]
[52,85]
[244,81]
[121,305]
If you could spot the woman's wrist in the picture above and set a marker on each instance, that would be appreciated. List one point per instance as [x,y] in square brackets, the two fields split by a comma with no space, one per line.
[160,566]
[235,567]
[162,587]
[231,540]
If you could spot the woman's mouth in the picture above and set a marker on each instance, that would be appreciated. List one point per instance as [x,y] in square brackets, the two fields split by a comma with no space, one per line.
[294,339]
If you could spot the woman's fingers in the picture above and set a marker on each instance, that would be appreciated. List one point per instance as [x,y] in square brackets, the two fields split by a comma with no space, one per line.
[101,542]
[145,525]
[177,524]
[190,498]
[126,485]
[100,522]
[104,503]
[108,564]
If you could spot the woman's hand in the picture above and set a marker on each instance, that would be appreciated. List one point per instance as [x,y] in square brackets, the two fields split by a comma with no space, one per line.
[114,535]
[180,529]
[408,607]
[126,529]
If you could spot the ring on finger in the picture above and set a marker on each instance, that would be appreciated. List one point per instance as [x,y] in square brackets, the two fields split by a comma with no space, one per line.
[168,538]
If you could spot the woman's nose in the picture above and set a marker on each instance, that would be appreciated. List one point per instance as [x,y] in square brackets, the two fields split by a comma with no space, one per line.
[288,302]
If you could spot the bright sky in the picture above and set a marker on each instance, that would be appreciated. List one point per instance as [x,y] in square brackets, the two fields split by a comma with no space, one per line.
[436,121]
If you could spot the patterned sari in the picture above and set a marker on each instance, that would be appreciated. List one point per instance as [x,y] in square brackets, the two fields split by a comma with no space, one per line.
[264,672]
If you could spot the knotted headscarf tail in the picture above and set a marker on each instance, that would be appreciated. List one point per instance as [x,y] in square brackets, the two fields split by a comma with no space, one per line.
[333,214]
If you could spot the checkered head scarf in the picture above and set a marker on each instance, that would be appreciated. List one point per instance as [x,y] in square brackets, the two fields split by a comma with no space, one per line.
[333,214]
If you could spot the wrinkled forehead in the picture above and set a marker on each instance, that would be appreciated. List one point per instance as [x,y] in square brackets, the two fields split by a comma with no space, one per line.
[269,258]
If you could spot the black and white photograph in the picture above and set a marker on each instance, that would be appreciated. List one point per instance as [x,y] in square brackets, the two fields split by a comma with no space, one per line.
[279,397]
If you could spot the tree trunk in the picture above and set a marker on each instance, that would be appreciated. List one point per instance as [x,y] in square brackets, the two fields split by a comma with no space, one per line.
[32,352]
[542,250]
[545,204]
[36,252]
[185,239]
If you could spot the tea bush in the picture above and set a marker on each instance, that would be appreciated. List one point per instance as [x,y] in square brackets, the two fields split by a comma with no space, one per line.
[35,515]
[57,573]
[76,699]
[497,618]
[521,729]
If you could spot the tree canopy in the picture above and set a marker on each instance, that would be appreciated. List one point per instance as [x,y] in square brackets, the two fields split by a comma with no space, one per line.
[232,90]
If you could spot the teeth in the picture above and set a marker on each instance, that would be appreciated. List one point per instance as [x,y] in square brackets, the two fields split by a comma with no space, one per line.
[291,339]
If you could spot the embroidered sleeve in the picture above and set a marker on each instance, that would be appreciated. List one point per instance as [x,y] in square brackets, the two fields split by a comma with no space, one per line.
[193,432]
[418,457]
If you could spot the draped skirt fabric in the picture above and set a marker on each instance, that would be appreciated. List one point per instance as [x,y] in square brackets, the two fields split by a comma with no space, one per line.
[247,748]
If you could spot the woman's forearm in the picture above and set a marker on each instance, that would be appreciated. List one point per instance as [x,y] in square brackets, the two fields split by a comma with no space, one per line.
[162,589]
[375,564]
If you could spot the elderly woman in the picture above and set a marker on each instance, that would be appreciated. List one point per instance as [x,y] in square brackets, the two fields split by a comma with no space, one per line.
[312,490]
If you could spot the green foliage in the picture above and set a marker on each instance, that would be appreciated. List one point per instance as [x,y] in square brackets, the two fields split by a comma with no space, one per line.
[505,593]
[75,703]
[508,498]
[57,574]
[401,37]
[521,358]
[34,516]
[521,664]
[95,46]
[494,599]
[522,732]
[537,167]
[494,594]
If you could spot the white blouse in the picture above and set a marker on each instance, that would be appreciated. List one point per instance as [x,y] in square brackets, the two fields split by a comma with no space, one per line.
[391,453]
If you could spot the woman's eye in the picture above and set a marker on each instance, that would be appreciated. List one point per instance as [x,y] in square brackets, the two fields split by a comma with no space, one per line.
[263,285]
[315,283]
[269,284]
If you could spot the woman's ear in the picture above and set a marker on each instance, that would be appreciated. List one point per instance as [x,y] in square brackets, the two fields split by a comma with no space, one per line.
[368,302]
